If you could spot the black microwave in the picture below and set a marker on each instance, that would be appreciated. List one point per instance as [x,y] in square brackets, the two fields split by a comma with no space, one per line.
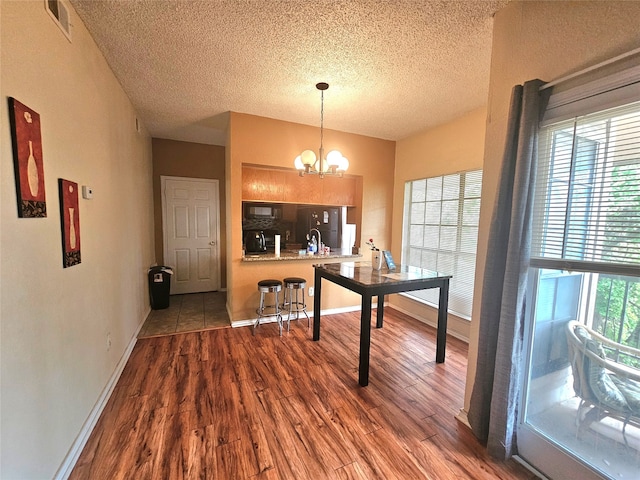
[262,210]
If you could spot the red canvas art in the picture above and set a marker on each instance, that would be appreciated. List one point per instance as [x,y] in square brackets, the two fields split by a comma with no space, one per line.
[70,220]
[27,158]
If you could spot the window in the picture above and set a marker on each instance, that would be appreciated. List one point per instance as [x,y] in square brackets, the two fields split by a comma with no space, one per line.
[585,266]
[587,212]
[586,230]
[441,233]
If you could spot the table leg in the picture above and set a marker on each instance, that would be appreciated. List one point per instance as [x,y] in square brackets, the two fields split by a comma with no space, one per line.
[365,340]
[316,305]
[443,305]
[380,311]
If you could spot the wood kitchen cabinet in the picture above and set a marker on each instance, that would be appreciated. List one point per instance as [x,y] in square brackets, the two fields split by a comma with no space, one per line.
[338,191]
[262,184]
[299,189]
[271,185]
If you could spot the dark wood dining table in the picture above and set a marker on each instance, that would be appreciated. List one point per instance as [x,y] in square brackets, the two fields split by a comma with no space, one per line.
[361,278]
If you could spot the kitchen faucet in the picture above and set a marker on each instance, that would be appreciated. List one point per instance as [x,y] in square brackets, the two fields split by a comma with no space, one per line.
[319,239]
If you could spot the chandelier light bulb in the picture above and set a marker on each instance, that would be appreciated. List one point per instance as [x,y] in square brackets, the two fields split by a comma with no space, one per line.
[333,158]
[308,157]
[298,163]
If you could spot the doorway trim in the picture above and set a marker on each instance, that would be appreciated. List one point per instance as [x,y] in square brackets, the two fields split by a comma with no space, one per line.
[163,196]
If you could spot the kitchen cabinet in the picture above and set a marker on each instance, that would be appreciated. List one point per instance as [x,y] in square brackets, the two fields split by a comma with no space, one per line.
[286,186]
[262,184]
[299,189]
[338,191]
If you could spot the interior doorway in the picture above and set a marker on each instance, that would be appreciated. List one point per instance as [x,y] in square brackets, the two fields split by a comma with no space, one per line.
[191,226]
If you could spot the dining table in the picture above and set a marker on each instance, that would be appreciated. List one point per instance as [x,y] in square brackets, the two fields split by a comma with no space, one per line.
[362,278]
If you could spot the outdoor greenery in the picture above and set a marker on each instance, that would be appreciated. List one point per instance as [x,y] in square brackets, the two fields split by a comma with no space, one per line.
[618,297]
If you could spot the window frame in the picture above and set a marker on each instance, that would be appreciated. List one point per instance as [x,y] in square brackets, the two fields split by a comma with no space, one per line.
[468,200]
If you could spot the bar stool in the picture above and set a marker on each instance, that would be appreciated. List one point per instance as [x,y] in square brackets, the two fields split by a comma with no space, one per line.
[265,287]
[294,304]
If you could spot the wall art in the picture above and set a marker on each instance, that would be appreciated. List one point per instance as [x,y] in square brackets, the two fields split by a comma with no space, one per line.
[70,222]
[27,160]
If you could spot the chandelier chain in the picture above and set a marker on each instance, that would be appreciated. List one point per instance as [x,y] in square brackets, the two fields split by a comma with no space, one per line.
[321,118]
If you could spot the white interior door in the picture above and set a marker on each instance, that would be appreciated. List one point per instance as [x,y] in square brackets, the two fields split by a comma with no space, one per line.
[191,233]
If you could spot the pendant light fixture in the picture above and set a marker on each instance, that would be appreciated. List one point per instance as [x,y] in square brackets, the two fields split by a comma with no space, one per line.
[333,164]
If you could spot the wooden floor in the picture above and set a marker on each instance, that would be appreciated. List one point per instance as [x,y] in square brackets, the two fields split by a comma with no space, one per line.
[223,404]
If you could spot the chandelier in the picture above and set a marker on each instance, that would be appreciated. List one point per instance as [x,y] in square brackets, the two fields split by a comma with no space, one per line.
[333,164]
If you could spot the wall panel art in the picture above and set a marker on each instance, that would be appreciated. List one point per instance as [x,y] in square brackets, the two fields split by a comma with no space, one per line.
[70,222]
[27,159]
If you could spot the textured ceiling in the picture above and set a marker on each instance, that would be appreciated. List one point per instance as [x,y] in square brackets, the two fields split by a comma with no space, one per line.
[394,67]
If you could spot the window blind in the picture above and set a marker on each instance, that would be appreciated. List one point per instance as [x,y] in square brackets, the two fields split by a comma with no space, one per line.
[441,217]
[587,196]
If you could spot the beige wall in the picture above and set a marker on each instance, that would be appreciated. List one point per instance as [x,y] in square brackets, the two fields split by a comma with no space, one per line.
[55,359]
[195,160]
[264,141]
[545,40]
[453,147]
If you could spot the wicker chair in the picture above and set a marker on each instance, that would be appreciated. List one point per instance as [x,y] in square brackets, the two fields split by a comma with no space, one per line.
[606,388]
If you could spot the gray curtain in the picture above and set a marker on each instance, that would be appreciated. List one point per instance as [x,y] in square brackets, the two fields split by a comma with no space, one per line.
[493,411]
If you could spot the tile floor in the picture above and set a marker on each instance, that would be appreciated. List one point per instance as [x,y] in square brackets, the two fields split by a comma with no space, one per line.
[188,313]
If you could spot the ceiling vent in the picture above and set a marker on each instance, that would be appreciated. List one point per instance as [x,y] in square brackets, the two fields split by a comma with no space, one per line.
[59,12]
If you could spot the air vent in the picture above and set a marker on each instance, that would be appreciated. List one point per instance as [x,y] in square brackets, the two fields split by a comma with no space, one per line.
[59,12]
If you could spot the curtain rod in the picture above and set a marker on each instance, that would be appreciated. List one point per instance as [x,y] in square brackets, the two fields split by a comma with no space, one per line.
[589,69]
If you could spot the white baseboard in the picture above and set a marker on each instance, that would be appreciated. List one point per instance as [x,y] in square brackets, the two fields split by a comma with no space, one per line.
[431,324]
[463,418]
[250,321]
[529,467]
[83,436]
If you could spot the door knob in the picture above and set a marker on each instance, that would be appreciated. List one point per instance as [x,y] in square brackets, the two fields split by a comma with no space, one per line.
[212,244]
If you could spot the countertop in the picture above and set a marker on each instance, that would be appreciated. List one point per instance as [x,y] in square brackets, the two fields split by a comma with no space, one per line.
[294,255]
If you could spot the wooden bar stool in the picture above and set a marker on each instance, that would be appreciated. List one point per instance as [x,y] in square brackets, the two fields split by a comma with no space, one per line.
[265,287]
[294,304]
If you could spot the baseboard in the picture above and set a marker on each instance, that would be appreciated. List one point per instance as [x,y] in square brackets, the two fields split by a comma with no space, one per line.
[332,311]
[463,418]
[83,436]
[529,467]
[431,324]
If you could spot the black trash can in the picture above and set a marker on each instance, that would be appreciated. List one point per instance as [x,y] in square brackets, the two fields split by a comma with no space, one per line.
[159,286]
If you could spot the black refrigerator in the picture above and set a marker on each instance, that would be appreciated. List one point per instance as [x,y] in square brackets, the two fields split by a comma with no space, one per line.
[327,220]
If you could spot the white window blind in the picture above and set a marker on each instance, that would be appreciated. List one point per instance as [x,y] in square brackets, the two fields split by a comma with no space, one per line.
[441,217]
[587,198]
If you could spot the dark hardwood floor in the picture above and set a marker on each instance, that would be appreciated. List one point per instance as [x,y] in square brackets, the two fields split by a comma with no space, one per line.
[223,404]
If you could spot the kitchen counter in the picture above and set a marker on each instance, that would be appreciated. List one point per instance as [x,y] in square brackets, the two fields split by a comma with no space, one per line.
[294,255]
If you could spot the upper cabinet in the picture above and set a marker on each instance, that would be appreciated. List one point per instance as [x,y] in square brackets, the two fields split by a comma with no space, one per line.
[262,184]
[270,185]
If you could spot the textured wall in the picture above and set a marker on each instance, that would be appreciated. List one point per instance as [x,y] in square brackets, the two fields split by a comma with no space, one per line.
[194,160]
[55,359]
[456,146]
[263,141]
[545,40]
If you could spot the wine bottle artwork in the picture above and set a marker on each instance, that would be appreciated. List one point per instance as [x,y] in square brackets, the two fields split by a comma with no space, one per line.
[28,160]
[32,172]
[70,216]
[72,230]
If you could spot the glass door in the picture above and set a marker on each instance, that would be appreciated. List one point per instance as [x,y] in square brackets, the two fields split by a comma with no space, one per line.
[580,402]
[564,432]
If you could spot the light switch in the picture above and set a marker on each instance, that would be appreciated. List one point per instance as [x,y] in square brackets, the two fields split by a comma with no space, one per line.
[87,192]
